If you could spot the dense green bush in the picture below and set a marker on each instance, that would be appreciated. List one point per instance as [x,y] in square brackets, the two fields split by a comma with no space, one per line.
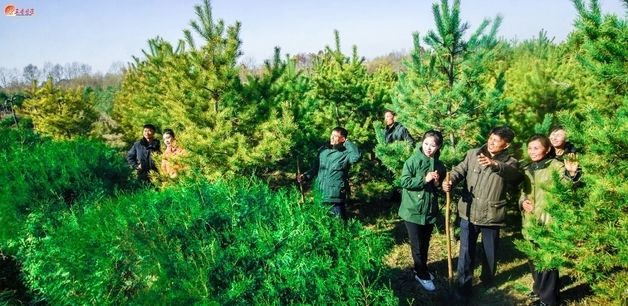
[12,138]
[41,175]
[205,243]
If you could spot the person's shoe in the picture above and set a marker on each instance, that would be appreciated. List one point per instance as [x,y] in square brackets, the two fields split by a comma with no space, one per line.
[532,296]
[428,284]
[430,273]
[491,290]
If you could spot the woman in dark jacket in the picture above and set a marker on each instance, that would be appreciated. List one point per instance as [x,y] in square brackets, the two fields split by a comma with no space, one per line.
[421,177]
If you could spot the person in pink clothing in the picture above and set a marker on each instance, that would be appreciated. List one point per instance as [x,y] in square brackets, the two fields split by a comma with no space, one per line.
[170,160]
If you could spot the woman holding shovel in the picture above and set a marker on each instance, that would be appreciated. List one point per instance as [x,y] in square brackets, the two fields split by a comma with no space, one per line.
[422,175]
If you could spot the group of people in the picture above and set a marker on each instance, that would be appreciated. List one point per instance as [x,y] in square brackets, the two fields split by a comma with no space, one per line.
[489,174]
[141,155]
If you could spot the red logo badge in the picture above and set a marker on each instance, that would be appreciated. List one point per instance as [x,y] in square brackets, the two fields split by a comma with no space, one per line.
[9,10]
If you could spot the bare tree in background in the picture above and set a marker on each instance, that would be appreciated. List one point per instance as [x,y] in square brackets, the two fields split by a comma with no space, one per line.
[117,68]
[30,73]
[52,71]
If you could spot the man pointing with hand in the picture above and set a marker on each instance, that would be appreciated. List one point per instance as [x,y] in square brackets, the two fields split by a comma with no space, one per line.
[489,172]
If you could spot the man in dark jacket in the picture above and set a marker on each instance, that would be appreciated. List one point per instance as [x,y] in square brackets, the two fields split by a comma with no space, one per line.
[489,173]
[332,170]
[139,156]
[394,130]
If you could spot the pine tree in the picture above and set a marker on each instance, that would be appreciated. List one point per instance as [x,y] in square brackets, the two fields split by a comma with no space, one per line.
[449,85]
[267,106]
[589,233]
[61,113]
[196,90]
[603,40]
[543,78]
[339,87]
[343,93]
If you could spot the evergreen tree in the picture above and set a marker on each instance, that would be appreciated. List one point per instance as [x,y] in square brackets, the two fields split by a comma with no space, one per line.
[269,99]
[542,80]
[339,88]
[449,85]
[589,233]
[282,83]
[344,93]
[61,113]
[603,40]
[197,91]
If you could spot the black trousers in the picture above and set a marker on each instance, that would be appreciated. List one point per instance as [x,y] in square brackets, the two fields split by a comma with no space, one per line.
[419,244]
[546,284]
[469,233]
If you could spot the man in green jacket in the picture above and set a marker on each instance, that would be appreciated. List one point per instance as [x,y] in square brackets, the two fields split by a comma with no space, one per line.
[332,170]
[489,173]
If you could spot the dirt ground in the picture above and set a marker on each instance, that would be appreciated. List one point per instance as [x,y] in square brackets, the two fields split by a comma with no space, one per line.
[512,281]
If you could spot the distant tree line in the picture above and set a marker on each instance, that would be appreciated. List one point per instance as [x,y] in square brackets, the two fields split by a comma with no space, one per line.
[70,74]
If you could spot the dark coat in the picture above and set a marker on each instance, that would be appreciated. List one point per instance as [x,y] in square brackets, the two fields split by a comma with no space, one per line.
[568,148]
[483,200]
[140,154]
[397,132]
[332,171]
[419,200]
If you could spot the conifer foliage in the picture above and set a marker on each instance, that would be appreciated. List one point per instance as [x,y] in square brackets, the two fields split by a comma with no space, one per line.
[340,85]
[196,90]
[229,240]
[343,93]
[448,85]
[543,79]
[45,177]
[222,243]
[59,112]
[589,232]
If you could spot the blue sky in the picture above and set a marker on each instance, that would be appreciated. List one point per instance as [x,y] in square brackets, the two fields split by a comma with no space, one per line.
[100,33]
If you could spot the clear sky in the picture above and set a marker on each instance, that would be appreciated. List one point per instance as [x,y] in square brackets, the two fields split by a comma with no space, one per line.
[100,33]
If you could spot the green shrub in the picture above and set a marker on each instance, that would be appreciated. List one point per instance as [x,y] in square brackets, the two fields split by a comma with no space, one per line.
[206,243]
[12,138]
[40,175]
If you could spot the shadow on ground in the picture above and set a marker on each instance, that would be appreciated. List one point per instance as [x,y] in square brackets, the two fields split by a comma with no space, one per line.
[512,281]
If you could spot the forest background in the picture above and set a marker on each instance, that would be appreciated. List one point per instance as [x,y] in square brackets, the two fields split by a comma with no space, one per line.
[77,228]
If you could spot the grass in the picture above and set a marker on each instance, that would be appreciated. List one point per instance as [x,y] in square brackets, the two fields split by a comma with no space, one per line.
[512,281]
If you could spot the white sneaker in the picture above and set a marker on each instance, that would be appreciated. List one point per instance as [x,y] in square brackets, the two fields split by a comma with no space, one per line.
[428,284]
